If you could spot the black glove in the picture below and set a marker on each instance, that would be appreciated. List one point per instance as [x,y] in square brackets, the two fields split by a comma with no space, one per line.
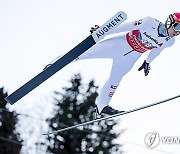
[146,68]
[94,28]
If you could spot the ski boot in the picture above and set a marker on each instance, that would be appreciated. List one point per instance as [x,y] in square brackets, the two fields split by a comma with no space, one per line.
[107,111]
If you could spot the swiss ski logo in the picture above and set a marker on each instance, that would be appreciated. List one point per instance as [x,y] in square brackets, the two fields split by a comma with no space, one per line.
[136,23]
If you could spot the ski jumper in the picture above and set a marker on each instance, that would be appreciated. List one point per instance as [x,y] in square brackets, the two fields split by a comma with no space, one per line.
[125,50]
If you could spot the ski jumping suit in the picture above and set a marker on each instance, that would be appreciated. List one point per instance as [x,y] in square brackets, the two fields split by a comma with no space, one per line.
[125,49]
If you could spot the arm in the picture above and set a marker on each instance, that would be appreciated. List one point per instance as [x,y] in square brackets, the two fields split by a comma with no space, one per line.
[152,55]
[155,52]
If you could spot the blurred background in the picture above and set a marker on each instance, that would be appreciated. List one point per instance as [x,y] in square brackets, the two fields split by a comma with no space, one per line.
[33,33]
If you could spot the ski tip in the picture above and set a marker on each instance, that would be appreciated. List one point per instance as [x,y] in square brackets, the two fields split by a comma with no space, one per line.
[123,14]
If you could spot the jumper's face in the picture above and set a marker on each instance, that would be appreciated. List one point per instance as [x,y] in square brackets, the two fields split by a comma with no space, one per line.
[171,32]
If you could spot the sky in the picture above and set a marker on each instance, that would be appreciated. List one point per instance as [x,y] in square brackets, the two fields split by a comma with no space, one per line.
[33,33]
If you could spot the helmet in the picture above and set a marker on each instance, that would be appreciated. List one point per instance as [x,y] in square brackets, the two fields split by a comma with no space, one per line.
[173,21]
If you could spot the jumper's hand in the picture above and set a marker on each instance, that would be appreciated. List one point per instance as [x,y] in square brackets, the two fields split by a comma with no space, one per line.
[146,68]
[94,28]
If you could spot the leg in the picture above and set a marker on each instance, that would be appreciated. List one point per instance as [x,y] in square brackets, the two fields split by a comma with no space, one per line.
[100,50]
[120,67]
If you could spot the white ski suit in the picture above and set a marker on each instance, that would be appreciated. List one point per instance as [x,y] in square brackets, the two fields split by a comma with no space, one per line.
[125,49]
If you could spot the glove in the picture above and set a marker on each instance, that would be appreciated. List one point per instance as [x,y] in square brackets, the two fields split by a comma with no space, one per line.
[146,68]
[94,28]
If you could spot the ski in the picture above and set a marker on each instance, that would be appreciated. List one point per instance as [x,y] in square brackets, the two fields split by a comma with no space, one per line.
[87,43]
[112,116]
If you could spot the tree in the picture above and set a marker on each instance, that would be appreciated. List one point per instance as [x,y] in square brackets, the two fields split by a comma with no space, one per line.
[10,142]
[76,105]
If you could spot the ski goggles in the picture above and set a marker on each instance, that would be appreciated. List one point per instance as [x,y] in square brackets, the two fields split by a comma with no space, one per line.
[176,27]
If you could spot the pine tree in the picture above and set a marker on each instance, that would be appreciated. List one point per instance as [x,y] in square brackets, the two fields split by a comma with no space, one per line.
[10,142]
[76,105]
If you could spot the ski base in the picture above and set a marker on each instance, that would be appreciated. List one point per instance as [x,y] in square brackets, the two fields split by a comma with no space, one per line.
[82,47]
